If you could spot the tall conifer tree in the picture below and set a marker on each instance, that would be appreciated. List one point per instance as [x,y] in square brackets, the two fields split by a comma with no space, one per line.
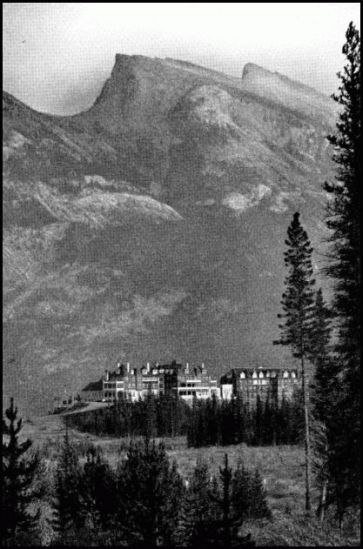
[197,508]
[68,512]
[343,219]
[296,329]
[320,357]
[18,525]
[149,489]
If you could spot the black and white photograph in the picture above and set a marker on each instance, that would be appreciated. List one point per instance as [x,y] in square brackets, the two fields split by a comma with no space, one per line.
[181,275]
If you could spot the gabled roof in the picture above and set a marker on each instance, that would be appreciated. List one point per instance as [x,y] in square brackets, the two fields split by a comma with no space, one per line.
[250,368]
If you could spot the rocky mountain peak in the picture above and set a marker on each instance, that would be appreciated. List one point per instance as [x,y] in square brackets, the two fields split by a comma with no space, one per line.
[154,222]
[290,93]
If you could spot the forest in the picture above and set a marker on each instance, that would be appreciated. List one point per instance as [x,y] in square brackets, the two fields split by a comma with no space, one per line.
[206,423]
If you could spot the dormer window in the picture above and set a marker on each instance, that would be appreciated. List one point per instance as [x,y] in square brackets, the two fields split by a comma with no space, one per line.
[260,375]
[254,375]
[242,375]
[293,374]
[286,374]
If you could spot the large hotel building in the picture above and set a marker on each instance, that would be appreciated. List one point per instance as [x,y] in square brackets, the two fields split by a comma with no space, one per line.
[192,382]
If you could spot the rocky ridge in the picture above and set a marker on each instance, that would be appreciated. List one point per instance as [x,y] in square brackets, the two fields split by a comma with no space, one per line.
[152,225]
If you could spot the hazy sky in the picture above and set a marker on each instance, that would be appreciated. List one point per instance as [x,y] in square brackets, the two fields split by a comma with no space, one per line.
[57,55]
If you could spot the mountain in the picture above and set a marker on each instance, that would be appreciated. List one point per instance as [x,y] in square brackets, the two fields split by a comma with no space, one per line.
[152,226]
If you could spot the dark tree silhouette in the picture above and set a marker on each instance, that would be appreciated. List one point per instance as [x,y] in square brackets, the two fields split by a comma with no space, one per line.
[248,494]
[320,357]
[98,491]
[18,525]
[343,219]
[296,329]
[68,514]
[224,530]
[150,490]
[197,508]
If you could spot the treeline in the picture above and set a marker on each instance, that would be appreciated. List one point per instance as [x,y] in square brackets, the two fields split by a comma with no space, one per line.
[154,416]
[214,422]
[142,502]
[207,423]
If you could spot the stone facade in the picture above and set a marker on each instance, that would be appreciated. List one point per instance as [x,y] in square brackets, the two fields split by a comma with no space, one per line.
[248,382]
[193,382]
[168,379]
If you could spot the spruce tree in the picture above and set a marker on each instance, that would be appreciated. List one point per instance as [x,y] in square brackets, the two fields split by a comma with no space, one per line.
[320,357]
[149,491]
[296,329]
[241,491]
[98,491]
[224,530]
[343,220]
[229,526]
[197,512]
[150,416]
[19,468]
[248,494]
[258,412]
[193,425]
[239,419]
[67,505]
[258,507]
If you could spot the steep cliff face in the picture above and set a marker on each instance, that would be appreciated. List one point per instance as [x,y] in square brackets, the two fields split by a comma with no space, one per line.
[152,225]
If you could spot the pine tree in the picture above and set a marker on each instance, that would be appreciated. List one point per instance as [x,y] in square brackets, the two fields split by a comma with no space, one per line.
[322,389]
[98,491]
[213,420]
[248,494]
[150,415]
[320,357]
[68,513]
[192,426]
[239,419]
[258,507]
[224,531]
[19,468]
[149,490]
[258,412]
[241,491]
[343,219]
[197,512]
[296,330]
[268,423]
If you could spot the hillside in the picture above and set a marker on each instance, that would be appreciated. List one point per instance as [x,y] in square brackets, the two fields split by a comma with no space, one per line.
[152,226]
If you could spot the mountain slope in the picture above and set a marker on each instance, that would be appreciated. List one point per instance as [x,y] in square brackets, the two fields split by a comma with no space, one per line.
[152,226]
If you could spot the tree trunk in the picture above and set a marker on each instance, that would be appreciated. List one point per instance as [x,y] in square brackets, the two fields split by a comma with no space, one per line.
[322,503]
[306,437]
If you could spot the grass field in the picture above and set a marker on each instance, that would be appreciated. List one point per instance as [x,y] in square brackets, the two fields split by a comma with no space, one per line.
[282,470]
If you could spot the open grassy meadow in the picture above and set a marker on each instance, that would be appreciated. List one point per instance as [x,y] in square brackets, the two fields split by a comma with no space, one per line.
[282,470]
